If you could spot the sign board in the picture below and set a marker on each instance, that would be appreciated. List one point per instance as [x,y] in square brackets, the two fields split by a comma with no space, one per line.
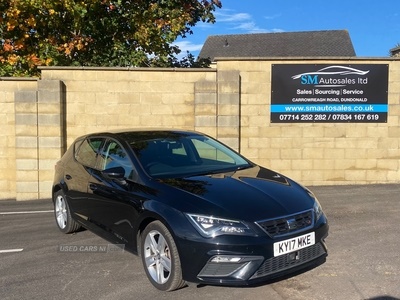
[306,93]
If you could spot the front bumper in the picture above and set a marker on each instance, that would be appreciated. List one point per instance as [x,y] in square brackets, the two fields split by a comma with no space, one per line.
[245,263]
[253,269]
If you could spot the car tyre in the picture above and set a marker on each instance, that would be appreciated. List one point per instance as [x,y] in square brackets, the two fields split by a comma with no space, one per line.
[160,257]
[63,214]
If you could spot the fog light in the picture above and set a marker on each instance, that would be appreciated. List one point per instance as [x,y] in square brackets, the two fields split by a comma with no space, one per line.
[230,267]
[225,259]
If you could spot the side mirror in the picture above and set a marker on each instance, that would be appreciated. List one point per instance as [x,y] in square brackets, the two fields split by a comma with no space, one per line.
[114,173]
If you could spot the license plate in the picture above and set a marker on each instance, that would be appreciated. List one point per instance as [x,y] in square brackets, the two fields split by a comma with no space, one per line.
[294,244]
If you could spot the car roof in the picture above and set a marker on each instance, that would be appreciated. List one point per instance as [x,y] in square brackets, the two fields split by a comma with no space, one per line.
[142,133]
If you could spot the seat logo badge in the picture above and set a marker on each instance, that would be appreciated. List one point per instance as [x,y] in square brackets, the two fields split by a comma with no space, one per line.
[291,223]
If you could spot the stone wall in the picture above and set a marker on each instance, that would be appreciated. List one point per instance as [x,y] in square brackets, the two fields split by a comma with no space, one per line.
[10,114]
[231,102]
[317,153]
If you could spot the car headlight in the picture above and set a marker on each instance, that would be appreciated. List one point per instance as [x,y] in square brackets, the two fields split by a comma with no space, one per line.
[209,226]
[317,210]
[317,207]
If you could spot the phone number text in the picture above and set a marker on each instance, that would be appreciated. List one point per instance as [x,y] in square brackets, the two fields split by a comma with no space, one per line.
[281,117]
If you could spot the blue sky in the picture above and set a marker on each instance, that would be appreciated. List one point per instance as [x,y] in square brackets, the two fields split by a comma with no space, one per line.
[373,25]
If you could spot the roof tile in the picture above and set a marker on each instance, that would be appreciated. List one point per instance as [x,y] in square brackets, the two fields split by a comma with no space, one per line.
[328,43]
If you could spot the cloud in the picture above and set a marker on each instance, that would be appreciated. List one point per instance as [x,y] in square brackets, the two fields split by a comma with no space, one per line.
[250,27]
[277,30]
[188,46]
[243,22]
[224,17]
[203,25]
[185,46]
[272,17]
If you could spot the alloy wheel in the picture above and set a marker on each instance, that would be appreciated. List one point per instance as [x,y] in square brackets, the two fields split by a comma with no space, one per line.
[61,212]
[157,257]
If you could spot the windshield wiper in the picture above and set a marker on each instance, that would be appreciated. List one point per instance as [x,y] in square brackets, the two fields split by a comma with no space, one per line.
[219,171]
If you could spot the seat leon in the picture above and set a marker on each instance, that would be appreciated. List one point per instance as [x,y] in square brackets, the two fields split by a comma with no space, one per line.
[191,208]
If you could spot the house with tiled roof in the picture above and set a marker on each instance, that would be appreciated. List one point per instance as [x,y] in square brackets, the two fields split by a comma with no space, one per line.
[327,43]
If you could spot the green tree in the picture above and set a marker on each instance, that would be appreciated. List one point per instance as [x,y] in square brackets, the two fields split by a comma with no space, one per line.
[96,33]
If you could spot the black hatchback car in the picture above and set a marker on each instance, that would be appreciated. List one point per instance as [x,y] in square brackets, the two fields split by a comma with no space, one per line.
[193,209]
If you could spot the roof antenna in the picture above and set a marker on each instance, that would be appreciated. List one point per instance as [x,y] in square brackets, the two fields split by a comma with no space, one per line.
[226,43]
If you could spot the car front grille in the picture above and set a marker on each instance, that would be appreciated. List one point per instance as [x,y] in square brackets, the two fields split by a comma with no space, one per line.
[288,224]
[290,260]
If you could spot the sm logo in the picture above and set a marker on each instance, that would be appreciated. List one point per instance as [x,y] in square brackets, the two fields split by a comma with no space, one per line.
[309,79]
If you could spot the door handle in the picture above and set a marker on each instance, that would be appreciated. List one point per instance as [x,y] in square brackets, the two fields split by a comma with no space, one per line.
[93,187]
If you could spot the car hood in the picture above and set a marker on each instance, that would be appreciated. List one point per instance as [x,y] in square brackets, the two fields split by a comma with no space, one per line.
[252,194]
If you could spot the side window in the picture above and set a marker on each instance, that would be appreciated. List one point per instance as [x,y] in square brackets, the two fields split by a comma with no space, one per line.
[86,153]
[113,155]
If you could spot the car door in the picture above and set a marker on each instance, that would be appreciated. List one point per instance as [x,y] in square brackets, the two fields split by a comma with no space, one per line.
[114,207]
[78,172]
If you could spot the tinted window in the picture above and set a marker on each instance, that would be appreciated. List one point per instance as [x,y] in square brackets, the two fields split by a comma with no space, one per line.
[208,152]
[87,151]
[113,155]
[186,156]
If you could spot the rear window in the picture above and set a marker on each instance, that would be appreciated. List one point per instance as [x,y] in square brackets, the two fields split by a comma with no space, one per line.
[86,152]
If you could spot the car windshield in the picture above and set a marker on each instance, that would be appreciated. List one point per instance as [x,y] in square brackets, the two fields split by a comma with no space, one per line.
[182,156]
